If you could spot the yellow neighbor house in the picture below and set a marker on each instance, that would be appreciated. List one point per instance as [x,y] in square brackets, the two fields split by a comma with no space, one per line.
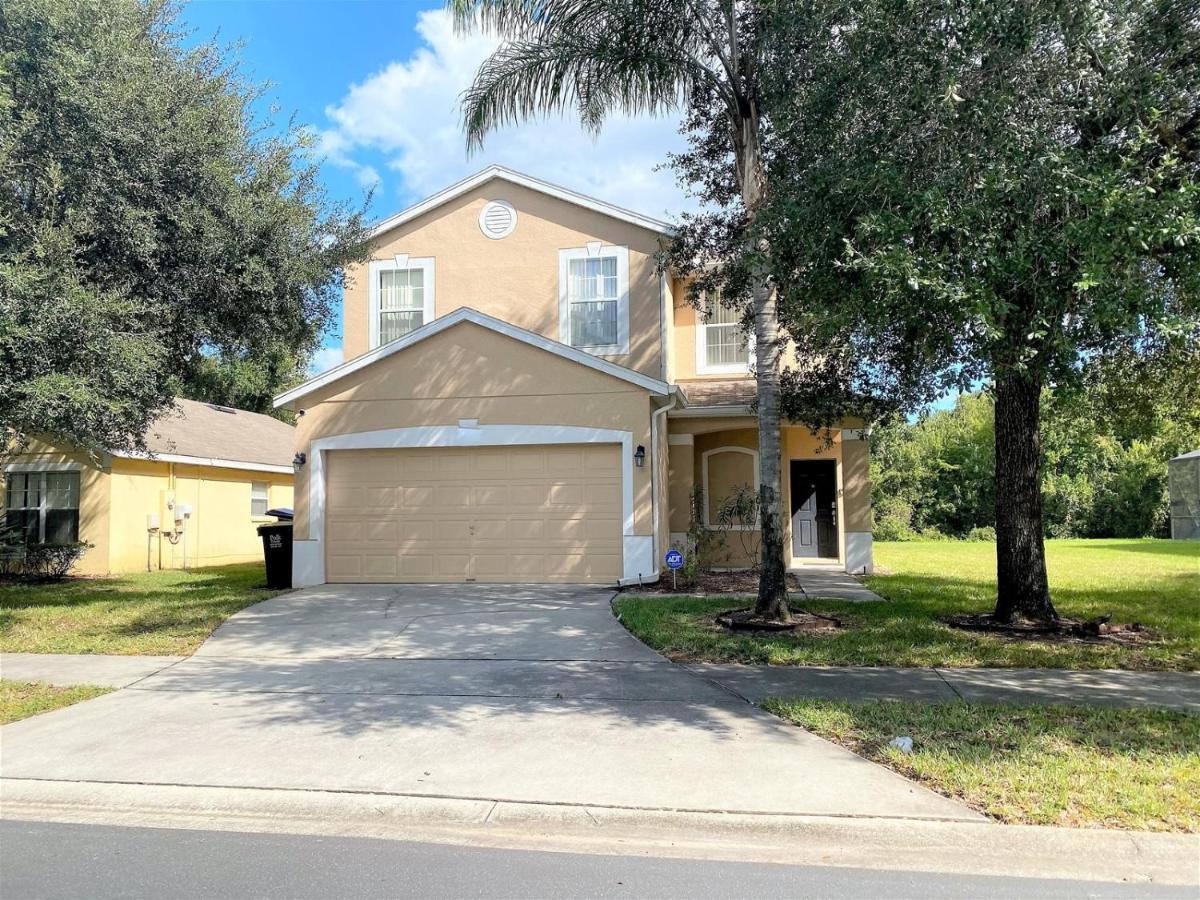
[195,500]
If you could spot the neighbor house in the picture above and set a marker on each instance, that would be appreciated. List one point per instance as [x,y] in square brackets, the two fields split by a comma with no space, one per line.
[194,500]
[526,397]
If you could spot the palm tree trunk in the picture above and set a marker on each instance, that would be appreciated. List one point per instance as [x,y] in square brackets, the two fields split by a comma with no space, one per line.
[1022,591]
[772,578]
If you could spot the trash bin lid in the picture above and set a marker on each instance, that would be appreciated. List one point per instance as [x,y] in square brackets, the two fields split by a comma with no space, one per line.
[281,512]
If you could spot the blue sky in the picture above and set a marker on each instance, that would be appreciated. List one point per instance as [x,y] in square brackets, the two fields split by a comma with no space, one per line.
[378,82]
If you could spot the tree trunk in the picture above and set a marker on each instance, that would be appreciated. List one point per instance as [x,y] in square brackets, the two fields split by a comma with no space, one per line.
[772,577]
[1022,591]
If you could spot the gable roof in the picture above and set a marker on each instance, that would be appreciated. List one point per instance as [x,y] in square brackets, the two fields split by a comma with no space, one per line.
[528,181]
[466,314]
[207,434]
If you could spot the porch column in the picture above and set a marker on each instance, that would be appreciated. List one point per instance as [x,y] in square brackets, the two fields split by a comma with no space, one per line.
[856,500]
[680,479]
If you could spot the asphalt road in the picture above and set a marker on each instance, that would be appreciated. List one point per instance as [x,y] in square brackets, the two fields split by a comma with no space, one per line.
[46,860]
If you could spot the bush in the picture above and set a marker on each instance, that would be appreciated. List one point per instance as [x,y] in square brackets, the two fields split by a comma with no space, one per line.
[46,562]
[982,533]
[893,519]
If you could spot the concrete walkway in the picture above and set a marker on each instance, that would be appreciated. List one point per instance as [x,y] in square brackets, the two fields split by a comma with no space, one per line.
[832,583]
[533,695]
[70,668]
[1176,690]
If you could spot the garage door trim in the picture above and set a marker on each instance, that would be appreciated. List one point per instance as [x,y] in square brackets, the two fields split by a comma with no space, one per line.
[310,555]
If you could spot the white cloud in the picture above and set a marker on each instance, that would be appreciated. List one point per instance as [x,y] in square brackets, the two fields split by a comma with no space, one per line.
[324,359]
[334,147]
[409,112]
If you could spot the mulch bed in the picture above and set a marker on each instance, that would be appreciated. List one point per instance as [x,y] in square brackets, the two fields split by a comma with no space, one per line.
[746,620]
[744,581]
[1096,631]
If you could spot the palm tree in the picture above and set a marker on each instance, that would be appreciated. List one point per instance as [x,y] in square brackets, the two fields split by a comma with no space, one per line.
[648,56]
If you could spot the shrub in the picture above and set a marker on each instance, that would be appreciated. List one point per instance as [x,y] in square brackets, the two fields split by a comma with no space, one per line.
[51,562]
[982,533]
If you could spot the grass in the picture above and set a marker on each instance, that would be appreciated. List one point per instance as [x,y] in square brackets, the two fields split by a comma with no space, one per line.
[1153,582]
[1046,765]
[22,699]
[169,612]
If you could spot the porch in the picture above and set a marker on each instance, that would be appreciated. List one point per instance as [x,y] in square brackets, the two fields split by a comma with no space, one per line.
[826,500]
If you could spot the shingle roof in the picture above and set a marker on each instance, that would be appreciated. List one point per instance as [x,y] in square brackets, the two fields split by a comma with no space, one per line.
[208,431]
[719,393]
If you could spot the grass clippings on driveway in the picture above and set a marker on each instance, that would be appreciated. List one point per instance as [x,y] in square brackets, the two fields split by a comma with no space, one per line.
[1133,769]
[167,613]
[1152,582]
[22,699]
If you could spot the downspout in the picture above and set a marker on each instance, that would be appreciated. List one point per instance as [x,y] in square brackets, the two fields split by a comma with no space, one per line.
[655,475]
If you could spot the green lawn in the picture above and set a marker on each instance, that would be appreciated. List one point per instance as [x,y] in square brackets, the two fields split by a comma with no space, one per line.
[1048,765]
[1155,583]
[168,613]
[22,699]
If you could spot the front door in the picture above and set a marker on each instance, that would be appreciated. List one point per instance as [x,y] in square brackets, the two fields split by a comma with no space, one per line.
[814,509]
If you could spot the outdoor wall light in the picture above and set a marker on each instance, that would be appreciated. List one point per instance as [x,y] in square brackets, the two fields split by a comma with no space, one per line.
[639,456]
[299,460]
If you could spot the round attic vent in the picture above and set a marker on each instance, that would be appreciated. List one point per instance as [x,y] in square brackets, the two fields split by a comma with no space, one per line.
[498,219]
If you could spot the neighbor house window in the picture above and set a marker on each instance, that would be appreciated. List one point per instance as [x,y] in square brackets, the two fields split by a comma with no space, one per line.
[722,344]
[401,297]
[594,299]
[259,498]
[43,506]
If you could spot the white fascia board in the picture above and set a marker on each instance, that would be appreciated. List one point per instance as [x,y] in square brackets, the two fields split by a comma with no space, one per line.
[466,314]
[528,181]
[209,461]
[700,412]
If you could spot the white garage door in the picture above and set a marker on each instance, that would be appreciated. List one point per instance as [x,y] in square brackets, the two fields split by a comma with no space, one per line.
[520,514]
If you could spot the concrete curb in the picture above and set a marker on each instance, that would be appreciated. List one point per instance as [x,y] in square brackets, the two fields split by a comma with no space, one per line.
[878,843]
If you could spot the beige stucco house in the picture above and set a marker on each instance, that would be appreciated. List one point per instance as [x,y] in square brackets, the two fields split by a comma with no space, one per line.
[527,398]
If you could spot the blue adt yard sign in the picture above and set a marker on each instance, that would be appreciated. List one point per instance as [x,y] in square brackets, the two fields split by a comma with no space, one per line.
[674,562]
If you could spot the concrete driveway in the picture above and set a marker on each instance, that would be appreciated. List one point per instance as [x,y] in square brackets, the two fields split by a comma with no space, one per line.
[530,694]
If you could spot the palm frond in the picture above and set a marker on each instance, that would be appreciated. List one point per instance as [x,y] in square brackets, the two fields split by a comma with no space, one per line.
[591,56]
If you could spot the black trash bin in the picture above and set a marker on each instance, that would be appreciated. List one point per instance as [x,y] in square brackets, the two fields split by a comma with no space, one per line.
[277,551]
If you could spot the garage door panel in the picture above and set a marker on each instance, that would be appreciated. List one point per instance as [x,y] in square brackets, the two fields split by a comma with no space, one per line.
[529,513]
[412,498]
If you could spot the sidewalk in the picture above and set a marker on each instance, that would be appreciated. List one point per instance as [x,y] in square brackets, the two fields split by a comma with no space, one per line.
[67,669]
[1175,690]
[1097,687]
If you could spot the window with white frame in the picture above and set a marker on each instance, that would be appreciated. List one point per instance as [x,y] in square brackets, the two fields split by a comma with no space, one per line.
[722,345]
[43,507]
[594,298]
[259,498]
[401,297]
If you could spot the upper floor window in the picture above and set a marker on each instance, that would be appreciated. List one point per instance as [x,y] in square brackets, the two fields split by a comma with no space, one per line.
[594,298]
[401,297]
[722,346]
[43,506]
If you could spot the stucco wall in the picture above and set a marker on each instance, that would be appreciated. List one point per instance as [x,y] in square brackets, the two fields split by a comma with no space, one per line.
[220,530]
[470,372]
[515,279]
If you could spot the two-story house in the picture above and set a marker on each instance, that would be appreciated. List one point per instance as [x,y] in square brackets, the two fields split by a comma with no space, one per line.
[527,398]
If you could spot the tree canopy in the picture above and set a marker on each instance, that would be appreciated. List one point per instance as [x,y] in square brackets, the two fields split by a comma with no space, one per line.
[973,192]
[155,233]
